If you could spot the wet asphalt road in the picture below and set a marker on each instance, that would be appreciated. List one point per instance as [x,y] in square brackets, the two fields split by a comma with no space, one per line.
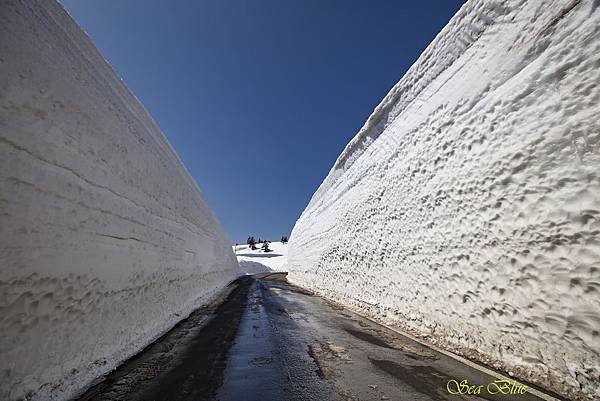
[271,341]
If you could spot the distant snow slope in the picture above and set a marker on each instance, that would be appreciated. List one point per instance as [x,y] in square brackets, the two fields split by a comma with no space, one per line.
[258,261]
[105,240]
[467,209]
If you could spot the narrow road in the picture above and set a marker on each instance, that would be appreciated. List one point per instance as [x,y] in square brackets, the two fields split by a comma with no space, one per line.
[272,341]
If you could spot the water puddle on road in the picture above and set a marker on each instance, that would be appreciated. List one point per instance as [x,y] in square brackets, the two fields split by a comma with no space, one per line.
[251,373]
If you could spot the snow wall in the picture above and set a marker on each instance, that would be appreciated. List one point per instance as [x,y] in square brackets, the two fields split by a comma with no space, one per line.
[467,209]
[105,239]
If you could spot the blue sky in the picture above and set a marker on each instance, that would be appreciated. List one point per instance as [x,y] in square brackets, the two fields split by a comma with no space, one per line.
[259,97]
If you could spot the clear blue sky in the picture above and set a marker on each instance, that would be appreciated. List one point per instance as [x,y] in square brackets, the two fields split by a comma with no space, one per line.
[259,97]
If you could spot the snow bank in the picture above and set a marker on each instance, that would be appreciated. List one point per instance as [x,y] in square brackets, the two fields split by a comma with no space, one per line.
[105,240]
[258,261]
[467,209]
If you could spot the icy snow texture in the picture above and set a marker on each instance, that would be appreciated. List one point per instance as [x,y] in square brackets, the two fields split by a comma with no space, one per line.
[105,240]
[467,207]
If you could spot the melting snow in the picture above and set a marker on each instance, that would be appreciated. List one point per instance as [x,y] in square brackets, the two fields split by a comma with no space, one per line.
[467,209]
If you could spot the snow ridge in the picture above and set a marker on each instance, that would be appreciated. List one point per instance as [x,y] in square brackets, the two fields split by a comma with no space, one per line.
[106,240]
[465,209]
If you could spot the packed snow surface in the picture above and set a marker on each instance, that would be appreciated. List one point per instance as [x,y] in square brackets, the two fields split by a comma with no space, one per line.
[105,239]
[258,261]
[467,208]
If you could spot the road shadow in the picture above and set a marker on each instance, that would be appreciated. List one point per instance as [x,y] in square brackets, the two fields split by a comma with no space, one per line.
[187,363]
